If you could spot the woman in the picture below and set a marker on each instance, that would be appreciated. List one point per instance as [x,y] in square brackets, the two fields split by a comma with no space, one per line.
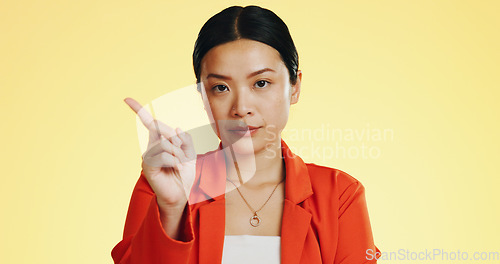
[252,199]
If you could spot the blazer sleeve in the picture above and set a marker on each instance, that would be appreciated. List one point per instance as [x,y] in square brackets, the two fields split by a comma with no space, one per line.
[144,239]
[355,243]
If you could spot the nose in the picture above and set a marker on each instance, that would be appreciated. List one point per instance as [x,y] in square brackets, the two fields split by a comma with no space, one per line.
[242,104]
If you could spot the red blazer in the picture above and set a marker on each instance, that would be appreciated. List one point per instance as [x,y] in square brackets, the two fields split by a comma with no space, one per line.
[325,218]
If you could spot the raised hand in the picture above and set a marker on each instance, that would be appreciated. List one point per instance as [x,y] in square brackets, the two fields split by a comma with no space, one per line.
[169,163]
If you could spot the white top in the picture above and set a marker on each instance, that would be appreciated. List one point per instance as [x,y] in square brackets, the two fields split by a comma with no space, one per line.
[246,249]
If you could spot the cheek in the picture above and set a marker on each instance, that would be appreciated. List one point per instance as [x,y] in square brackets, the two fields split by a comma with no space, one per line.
[218,110]
[208,110]
[214,115]
[277,113]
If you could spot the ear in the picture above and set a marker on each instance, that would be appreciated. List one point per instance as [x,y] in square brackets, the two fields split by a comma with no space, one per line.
[295,93]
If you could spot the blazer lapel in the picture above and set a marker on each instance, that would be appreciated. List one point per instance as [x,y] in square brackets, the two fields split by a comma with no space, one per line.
[295,223]
[296,220]
[212,221]
[213,212]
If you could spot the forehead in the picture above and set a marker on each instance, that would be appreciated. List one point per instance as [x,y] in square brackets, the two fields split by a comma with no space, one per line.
[241,56]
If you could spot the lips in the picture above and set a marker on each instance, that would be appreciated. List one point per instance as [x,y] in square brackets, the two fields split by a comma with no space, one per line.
[245,130]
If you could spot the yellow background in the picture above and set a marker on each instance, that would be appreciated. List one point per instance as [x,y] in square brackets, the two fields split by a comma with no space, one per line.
[426,70]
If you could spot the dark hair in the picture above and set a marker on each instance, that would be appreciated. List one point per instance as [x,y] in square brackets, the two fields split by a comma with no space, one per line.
[250,22]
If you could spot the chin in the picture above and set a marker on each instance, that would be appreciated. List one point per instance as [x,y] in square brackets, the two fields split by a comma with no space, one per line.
[243,146]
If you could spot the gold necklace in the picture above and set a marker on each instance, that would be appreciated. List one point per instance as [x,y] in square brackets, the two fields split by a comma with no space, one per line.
[255,219]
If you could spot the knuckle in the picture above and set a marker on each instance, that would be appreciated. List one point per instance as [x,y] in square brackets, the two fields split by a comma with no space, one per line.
[165,145]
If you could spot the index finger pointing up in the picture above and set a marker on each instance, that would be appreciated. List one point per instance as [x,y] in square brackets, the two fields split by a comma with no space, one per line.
[145,117]
[151,124]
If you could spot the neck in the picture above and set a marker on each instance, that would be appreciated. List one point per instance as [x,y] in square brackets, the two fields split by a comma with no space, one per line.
[264,167]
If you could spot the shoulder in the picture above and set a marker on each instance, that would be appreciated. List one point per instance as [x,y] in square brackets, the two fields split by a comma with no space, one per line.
[334,188]
[327,179]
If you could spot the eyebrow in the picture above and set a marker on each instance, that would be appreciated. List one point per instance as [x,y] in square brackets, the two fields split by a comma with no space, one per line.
[219,76]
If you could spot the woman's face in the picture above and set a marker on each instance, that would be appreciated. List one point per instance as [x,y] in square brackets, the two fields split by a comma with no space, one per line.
[247,93]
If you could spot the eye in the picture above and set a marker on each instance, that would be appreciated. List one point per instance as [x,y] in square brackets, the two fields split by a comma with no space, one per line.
[261,83]
[219,88]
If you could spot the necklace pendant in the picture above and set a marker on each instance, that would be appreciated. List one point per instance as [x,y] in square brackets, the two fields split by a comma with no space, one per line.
[255,220]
